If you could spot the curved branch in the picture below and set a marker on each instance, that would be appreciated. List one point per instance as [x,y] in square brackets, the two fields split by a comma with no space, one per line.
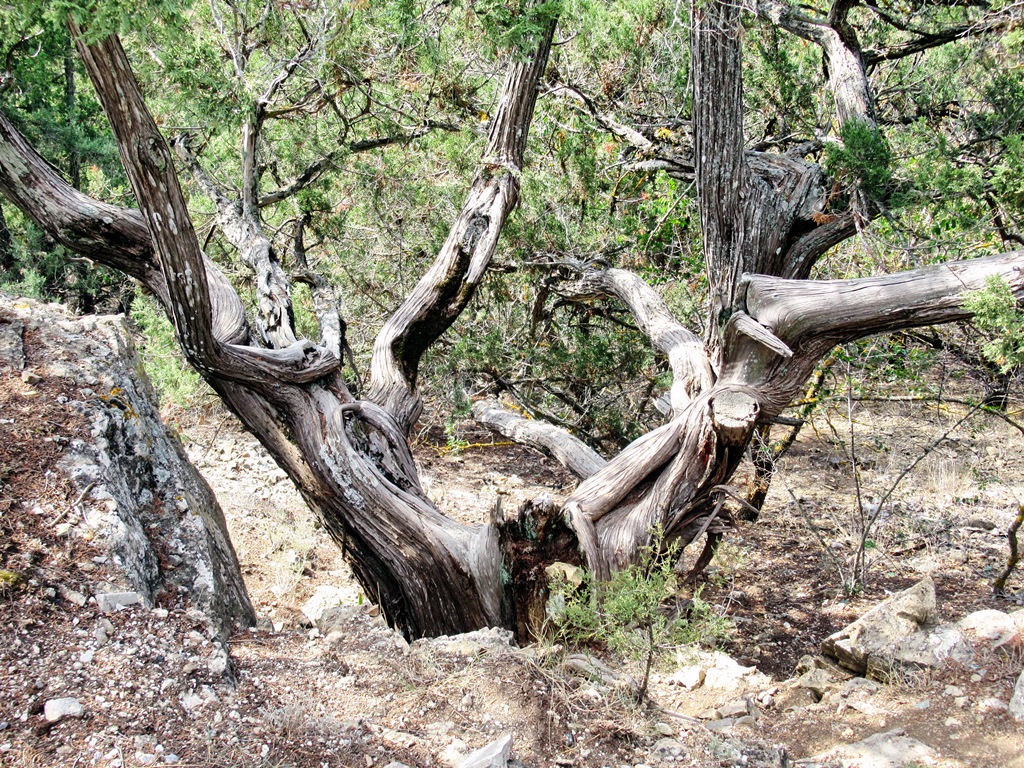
[242,227]
[844,310]
[110,235]
[447,287]
[148,164]
[691,371]
[569,451]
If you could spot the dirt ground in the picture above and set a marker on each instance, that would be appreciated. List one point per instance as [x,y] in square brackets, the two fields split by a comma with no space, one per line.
[360,696]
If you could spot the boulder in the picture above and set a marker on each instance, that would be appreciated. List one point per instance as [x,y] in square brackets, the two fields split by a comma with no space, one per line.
[927,649]
[892,749]
[1016,709]
[880,631]
[139,498]
[993,628]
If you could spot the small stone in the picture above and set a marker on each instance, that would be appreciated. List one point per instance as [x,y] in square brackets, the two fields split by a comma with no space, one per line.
[73,597]
[664,729]
[952,690]
[926,704]
[719,725]
[57,709]
[733,709]
[952,722]
[30,377]
[170,758]
[87,656]
[145,758]
[116,601]
[688,677]
[992,705]
[667,748]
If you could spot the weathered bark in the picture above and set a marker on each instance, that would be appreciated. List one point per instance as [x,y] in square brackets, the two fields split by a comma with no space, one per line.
[350,458]
[450,283]
[568,450]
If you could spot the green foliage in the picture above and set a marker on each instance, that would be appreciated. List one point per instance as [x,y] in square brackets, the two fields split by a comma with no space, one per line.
[997,314]
[863,159]
[635,614]
[174,380]
[515,25]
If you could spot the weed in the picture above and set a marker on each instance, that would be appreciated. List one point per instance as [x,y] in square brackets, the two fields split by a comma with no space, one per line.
[636,613]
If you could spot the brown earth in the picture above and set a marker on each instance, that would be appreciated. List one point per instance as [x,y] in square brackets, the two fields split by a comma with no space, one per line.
[360,696]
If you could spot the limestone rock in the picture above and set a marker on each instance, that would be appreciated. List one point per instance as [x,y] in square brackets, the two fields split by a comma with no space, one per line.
[139,494]
[325,598]
[883,628]
[56,710]
[893,749]
[726,673]
[992,628]
[688,677]
[494,755]
[1016,709]
[490,640]
[927,649]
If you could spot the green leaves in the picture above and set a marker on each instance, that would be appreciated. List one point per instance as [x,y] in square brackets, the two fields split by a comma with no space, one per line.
[996,313]
[863,160]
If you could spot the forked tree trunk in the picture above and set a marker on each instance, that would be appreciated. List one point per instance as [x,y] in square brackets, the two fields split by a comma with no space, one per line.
[350,458]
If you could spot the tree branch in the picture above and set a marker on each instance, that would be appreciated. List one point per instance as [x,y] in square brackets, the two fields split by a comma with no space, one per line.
[691,371]
[447,287]
[569,451]
[148,164]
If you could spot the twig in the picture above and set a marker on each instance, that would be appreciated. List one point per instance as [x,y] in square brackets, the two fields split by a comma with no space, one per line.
[999,587]
[74,504]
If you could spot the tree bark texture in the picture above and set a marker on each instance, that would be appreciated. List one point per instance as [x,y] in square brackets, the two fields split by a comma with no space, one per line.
[349,457]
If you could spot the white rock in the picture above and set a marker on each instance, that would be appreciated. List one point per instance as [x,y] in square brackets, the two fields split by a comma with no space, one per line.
[494,755]
[115,601]
[992,705]
[1016,708]
[892,749]
[57,709]
[688,677]
[726,673]
[993,628]
[325,598]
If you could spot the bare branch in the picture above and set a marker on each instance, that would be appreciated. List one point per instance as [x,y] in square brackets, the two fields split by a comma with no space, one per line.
[691,372]
[447,287]
[569,451]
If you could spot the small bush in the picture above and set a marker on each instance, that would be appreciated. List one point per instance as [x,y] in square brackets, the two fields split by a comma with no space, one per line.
[996,314]
[637,613]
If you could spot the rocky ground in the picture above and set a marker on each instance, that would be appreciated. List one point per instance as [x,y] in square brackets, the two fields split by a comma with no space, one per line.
[93,680]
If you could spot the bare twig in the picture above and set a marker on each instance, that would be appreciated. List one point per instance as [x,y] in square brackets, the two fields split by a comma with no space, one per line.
[999,587]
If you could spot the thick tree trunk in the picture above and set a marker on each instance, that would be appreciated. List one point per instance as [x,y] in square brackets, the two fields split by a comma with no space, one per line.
[350,458]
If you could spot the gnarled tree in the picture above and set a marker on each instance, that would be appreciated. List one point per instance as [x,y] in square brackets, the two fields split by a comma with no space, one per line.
[764,223]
